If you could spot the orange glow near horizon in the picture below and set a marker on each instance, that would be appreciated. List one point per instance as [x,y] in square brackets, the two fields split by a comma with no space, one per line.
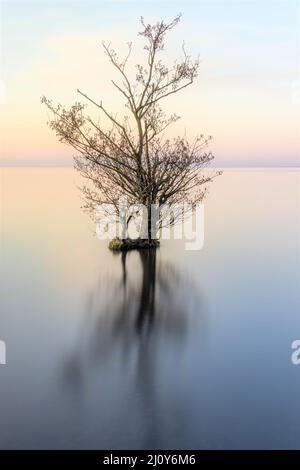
[251,116]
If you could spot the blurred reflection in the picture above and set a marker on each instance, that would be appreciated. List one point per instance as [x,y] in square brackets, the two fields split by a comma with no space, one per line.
[135,324]
[131,313]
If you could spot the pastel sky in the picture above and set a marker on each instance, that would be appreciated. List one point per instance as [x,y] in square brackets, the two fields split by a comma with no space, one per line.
[247,94]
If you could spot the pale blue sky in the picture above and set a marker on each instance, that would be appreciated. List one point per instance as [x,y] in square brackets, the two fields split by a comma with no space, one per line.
[250,67]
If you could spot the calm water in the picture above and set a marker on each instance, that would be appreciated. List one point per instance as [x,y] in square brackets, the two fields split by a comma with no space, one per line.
[178,350]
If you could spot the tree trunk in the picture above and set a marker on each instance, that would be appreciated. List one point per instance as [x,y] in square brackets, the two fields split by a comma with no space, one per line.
[149,225]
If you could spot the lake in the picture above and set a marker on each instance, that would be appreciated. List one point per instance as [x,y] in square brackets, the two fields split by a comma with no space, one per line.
[174,350]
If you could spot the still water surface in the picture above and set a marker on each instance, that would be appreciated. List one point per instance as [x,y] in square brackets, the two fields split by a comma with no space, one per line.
[182,349]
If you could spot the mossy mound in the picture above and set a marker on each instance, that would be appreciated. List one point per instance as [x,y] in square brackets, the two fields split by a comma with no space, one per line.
[117,244]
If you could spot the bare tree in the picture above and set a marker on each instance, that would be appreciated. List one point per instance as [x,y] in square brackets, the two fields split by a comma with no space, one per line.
[132,157]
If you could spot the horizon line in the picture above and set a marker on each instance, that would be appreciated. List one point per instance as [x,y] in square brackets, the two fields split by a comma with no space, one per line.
[241,168]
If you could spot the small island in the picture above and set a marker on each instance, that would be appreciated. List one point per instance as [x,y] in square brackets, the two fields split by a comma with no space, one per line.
[118,244]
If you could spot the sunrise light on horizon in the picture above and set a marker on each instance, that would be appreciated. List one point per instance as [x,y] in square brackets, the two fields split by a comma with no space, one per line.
[246,96]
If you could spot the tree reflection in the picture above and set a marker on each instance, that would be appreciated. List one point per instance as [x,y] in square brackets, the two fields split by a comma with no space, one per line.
[134,329]
[122,314]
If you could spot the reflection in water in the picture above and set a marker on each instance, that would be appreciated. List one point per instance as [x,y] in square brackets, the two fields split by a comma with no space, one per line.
[139,321]
[133,312]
